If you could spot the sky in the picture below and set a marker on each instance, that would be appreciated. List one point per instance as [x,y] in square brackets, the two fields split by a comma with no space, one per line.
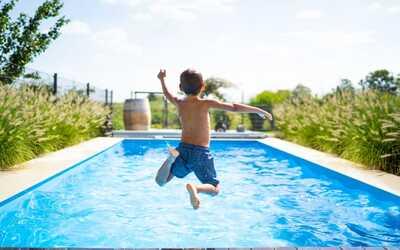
[256,44]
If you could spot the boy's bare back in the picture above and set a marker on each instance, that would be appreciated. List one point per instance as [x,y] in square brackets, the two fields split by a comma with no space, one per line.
[195,120]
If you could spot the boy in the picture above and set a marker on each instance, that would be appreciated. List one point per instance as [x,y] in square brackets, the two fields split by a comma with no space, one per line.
[193,154]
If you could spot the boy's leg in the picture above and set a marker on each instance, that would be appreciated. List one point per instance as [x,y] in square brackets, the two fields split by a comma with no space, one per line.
[164,174]
[194,191]
[208,189]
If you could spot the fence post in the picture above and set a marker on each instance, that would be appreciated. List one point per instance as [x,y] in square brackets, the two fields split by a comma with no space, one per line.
[88,89]
[55,82]
[106,95]
[111,97]
[165,125]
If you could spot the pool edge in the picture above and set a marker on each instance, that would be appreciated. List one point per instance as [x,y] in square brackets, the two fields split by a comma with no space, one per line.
[28,176]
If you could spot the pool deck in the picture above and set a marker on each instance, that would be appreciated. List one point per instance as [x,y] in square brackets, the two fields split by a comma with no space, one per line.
[35,171]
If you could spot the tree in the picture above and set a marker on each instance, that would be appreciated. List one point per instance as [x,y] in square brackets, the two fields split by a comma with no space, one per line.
[270,98]
[345,86]
[21,40]
[381,80]
[213,86]
[301,92]
[266,100]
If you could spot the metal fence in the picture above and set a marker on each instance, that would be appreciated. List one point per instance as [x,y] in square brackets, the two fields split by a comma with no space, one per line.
[59,85]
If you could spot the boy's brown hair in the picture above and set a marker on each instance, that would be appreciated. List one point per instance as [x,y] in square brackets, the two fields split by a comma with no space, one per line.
[191,82]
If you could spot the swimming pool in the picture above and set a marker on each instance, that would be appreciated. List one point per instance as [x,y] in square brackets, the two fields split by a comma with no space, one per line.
[268,198]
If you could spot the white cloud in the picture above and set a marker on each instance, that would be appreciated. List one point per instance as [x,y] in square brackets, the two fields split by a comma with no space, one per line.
[174,9]
[76,28]
[309,14]
[375,6]
[114,40]
[394,9]
[383,6]
[331,39]
[142,16]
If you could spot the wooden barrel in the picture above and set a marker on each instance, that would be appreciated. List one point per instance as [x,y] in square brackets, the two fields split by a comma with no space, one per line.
[137,114]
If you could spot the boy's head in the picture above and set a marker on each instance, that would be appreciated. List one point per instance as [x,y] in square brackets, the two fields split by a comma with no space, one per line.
[191,82]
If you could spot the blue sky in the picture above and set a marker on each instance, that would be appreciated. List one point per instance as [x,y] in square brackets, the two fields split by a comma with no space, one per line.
[256,44]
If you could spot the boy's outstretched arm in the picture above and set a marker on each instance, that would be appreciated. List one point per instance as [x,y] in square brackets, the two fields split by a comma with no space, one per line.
[236,107]
[170,97]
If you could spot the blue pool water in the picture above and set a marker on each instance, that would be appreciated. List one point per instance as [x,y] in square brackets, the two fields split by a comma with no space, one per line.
[268,198]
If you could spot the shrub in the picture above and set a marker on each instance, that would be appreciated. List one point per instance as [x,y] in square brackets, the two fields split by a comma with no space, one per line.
[32,122]
[266,100]
[362,127]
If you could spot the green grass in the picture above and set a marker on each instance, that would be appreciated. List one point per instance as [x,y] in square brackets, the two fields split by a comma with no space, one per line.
[33,122]
[363,127]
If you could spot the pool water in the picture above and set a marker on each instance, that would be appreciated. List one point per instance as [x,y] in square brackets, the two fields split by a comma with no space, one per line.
[268,198]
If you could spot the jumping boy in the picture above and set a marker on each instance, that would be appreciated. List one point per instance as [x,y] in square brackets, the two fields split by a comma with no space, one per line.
[193,153]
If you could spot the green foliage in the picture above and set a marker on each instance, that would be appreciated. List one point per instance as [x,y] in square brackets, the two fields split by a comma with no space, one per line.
[363,127]
[381,80]
[345,86]
[301,92]
[213,87]
[266,100]
[118,116]
[157,116]
[270,98]
[21,40]
[33,122]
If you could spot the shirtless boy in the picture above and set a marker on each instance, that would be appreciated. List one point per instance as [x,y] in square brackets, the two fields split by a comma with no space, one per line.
[193,154]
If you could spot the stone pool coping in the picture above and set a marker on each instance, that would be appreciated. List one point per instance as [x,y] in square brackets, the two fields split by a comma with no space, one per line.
[32,172]
[35,171]
[382,180]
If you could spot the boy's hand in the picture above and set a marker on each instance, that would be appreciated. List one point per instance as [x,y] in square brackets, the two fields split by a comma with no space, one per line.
[264,114]
[162,74]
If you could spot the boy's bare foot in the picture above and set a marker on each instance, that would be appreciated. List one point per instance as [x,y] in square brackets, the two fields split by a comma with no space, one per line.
[194,197]
[173,152]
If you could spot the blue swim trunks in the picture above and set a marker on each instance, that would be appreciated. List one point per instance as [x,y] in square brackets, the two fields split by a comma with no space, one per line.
[197,159]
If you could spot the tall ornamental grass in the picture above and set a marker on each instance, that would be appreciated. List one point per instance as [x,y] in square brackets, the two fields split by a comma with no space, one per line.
[33,122]
[363,127]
